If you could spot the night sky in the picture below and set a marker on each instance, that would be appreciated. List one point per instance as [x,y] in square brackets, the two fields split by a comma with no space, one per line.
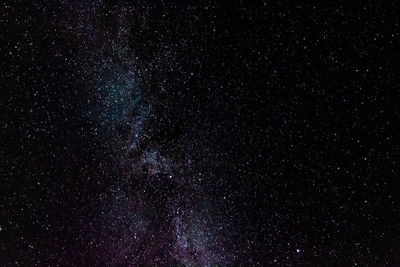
[199,133]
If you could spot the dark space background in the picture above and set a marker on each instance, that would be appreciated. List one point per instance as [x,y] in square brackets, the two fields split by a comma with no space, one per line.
[177,133]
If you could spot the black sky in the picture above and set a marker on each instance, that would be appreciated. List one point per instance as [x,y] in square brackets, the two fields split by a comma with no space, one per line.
[253,133]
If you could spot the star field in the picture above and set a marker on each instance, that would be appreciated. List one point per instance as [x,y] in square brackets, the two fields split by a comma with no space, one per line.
[154,133]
